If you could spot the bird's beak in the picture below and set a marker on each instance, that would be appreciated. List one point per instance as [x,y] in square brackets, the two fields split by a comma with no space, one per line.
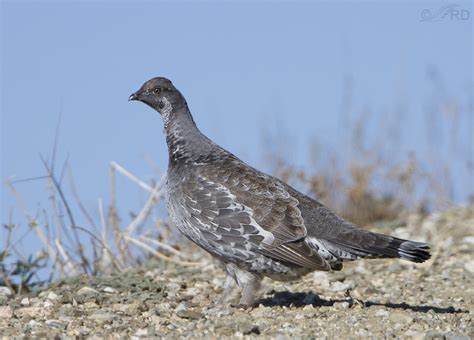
[133,96]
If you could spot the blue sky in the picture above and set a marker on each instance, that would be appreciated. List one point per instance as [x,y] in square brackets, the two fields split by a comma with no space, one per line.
[243,67]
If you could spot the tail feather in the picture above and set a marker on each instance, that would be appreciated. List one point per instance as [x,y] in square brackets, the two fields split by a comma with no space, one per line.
[411,250]
[380,246]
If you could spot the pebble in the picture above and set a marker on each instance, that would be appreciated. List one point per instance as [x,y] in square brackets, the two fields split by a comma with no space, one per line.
[32,312]
[185,312]
[469,266]
[468,240]
[25,302]
[103,318]
[341,286]
[341,305]
[382,313]
[87,291]
[52,296]
[109,290]
[5,291]
[6,312]
[401,318]
[55,324]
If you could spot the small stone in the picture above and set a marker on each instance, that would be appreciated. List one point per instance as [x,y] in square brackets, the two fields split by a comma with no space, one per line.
[248,328]
[32,311]
[193,292]
[85,294]
[382,313]
[141,332]
[90,305]
[6,312]
[468,240]
[25,302]
[5,291]
[33,323]
[66,310]
[341,286]
[103,318]
[52,296]
[183,311]
[48,304]
[401,318]
[87,291]
[469,266]
[109,290]
[55,324]
[342,305]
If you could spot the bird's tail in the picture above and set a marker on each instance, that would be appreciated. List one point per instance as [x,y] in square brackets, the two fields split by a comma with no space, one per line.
[384,246]
[370,245]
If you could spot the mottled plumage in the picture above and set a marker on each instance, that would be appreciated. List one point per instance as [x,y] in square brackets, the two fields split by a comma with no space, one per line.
[255,224]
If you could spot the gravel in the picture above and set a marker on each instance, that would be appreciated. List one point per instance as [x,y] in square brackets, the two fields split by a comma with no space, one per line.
[377,298]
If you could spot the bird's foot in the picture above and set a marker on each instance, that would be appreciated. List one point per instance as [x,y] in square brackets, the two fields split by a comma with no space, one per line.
[243,306]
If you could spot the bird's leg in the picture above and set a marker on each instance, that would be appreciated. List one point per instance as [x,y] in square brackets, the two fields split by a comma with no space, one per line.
[249,290]
[229,286]
[220,306]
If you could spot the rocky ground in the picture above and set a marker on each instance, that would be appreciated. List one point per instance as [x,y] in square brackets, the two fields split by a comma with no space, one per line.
[377,298]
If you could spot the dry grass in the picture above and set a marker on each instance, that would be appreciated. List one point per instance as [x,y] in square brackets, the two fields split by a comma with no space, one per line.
[101,247]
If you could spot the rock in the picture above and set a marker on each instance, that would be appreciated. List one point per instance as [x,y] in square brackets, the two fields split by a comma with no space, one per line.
[103,317]
[342,305]
[382,313]
[401,318]
[85,294]
[55,324]
[25,302]
[469,266]
[52,296]
[87,291]
[6,312]
[141,333]
[5,292]
[341,286]
[468,240]
[109,290]
[32,312]
[192,292]
[183,311]
[66,310]
[247,328]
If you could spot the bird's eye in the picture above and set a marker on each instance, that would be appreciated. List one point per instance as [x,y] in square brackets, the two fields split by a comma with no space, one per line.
[157,90]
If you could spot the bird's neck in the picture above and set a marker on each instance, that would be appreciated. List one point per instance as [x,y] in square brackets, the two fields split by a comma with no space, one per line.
[185,141]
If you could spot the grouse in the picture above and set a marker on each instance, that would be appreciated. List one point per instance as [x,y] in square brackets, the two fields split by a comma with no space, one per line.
[253,223]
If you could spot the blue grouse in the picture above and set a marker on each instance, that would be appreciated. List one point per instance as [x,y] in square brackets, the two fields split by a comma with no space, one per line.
[253,223]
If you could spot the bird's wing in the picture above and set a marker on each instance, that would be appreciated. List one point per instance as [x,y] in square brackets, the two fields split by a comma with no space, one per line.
[240,211]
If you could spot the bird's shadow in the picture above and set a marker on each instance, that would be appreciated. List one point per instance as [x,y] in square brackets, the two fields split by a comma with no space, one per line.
[301,299]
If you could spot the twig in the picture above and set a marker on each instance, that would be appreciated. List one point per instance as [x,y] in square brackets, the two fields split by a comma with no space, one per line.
[84,211]
[164,246]
[67,259]
[134,178]
[160,255]
[116,264]
[84,262]
[145,210]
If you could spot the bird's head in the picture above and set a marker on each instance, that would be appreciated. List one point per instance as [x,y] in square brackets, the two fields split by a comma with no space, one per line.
[160,94]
